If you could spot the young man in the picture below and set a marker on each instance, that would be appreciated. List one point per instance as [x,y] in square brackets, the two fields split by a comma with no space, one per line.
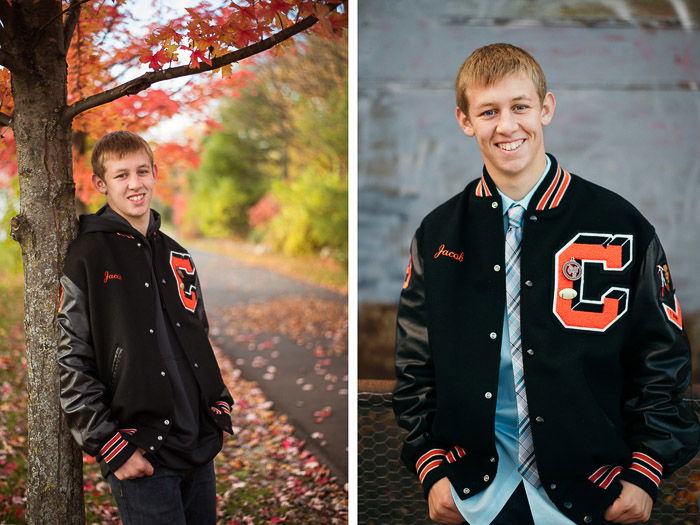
[541,358]
[140,386]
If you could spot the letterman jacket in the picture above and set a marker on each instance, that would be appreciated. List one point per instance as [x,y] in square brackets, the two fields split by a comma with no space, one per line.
[605,356]
[115,390]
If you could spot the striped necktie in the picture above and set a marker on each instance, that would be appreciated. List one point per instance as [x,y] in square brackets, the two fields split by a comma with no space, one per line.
[526,452]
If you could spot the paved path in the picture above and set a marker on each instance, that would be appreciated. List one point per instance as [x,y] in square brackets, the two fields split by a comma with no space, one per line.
[228,282]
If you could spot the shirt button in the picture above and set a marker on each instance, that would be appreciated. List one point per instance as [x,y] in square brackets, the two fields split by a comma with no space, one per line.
[160,438]
[466,490]
[493,335]
[553,486]
[166,422]
[494,204]
[488,395]
[568,504]
[496,267]
[487,477]
[587,519]
[530,351]
[146,285]
[528,284]
[150,330]
[182,286]
[539,419]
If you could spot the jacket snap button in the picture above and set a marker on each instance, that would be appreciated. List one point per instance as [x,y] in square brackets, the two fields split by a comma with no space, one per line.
[162,373]
[568,504]
[587,519]
[493,335]
[553,486]
[466,491]
[196,365]
[496,267]
[160,438]
[488,395]
[486,477]
[151,447]
[146,284]
[492,460]
[177,324]
[494,204]
[138,244]
[166,422]
[163,281]
[528,284]
[539,419]
[533,217]
[530,351]
[150,330]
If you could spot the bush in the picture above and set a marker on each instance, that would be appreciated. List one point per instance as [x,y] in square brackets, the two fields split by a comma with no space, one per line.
[313,215]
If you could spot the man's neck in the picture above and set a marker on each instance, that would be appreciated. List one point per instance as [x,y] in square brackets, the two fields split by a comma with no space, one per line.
[518,186]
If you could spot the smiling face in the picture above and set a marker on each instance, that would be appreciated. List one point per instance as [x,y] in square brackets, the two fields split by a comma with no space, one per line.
[507,119]
[128,184]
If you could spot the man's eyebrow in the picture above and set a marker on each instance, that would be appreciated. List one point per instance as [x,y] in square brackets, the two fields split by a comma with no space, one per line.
[493,103]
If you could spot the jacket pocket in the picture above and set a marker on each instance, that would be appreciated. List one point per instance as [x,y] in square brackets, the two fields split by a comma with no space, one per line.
[114,369]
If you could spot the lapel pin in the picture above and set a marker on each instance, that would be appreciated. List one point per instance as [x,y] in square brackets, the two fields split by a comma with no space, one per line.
[567,293]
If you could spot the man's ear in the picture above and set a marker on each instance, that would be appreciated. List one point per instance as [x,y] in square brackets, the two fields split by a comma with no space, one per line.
[548,106]
[155,171]
[464,123]
[99,184]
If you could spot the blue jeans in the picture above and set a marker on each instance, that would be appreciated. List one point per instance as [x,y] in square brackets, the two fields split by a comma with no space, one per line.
[167,497]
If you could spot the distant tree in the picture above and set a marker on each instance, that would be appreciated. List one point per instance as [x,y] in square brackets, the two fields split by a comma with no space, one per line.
[288,127]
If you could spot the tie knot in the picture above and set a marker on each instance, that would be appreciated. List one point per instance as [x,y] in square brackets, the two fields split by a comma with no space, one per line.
[515,215]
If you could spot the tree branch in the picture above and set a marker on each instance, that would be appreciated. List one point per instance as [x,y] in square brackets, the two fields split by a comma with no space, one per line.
[5,120]
[70,22]
[138,84]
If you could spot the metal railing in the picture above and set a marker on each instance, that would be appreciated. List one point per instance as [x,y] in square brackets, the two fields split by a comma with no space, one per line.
[388,494]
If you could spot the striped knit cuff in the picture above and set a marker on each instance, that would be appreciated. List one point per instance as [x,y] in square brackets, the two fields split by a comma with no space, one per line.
[645,472]
[605,475]
[221,406]
[428,468]
[116,451]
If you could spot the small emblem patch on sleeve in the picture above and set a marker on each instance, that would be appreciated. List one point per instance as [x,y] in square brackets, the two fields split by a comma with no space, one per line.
[409,270]
[667,296]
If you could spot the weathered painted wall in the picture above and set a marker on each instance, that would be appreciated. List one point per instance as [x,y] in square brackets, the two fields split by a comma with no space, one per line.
[625,75]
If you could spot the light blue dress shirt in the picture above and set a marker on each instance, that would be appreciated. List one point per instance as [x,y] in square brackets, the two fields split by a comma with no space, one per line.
[482,508]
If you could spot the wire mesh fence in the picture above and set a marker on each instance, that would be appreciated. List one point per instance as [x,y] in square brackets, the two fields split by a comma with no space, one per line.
[389,495]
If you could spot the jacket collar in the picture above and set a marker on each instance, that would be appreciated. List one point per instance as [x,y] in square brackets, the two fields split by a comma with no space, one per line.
[548,196]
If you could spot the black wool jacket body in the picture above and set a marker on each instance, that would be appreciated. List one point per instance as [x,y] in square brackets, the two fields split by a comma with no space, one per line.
[115,388]
[606,360]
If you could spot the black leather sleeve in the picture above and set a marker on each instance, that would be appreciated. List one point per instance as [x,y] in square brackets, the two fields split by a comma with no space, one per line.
[414,394]
[83,396]
[200,311]
[661,429]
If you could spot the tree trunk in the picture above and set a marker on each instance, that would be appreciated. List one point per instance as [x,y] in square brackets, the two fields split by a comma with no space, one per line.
[44,228]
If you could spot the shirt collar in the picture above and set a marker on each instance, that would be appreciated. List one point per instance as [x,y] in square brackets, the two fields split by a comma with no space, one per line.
[525,201]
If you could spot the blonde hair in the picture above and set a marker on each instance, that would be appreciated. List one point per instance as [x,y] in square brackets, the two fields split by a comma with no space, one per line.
[489,64]
[115,145]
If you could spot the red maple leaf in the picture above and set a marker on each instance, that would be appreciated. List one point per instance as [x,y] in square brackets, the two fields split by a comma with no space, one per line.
[156,60]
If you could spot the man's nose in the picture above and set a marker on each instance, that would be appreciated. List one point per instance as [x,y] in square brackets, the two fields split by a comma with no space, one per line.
[506,123]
